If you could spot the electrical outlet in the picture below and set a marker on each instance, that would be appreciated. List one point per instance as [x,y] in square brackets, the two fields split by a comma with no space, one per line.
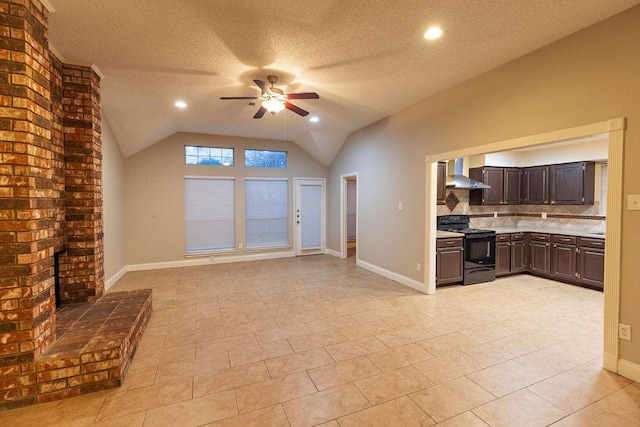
[239,245]
[624,332]
[418,267]
[544,215]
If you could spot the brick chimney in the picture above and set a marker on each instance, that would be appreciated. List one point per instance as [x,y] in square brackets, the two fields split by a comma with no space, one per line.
[50,193]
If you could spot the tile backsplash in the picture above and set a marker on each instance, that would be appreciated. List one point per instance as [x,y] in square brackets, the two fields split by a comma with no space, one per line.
[574,218]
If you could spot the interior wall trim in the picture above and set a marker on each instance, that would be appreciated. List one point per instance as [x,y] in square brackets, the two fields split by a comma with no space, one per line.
[414,284]
[343,211]
[629,370]
[613,242]
[113,279]
[333,253]
[210,260]
[615,129]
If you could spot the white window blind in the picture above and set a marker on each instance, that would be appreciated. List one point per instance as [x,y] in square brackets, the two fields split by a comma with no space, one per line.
[209,214]
[267,209]
[311,216]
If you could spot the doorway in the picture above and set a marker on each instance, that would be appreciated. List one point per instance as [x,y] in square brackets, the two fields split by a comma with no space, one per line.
[349,216]
[615,129]
[310,214]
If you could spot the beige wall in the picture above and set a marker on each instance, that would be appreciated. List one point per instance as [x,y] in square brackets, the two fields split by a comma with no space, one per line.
[113,204]
[154,180]
[588,77]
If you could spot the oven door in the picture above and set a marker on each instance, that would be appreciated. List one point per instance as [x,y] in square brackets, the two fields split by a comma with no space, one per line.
[480,251]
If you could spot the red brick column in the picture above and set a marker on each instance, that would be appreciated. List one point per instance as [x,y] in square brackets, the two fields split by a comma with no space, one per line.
[82,266]
[27,307]
[57,153]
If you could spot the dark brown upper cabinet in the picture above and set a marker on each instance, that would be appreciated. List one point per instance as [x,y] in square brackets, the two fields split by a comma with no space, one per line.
[506,185]
[572,183]
[535,185]
[512,186]
[441,193]
[559,184]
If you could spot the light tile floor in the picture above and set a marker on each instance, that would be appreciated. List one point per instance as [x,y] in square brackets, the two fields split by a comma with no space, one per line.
[319,341]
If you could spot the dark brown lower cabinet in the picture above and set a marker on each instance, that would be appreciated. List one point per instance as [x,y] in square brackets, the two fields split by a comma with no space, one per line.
[591,262]
[576,260]
[540,254]
[518,253]
[511,254]
[564,256]
[449,261]
[503,254]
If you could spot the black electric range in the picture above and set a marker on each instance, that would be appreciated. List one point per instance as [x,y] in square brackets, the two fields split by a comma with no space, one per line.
[479,248]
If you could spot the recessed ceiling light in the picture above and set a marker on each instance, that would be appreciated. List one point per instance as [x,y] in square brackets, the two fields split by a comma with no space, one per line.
[314,119]
[181,104]
[433,33]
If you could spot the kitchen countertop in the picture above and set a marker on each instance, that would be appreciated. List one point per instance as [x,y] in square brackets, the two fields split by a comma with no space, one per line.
[440,234]
[504,230]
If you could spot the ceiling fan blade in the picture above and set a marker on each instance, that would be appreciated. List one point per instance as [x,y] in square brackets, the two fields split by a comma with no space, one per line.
[295,109]
[260,113]
[264,86]
[238,97]
[304,95]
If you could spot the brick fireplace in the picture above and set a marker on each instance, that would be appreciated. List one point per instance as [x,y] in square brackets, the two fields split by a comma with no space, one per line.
[50,205]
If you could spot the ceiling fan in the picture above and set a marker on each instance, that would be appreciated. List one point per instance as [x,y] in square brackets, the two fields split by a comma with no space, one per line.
[274,99]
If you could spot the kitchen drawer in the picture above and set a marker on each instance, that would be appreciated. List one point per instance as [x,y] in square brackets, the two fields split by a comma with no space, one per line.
[567,240]
[448,243]
[588,242]
[539,237]
[517,236]
[503,237]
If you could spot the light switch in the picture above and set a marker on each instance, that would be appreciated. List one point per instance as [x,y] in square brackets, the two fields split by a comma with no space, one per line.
[399,206]
[633,202]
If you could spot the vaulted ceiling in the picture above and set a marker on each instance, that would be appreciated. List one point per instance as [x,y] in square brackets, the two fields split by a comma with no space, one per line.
[365,58]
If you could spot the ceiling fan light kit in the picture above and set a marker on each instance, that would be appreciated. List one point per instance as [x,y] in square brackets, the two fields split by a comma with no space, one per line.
[274,99]
[273,105]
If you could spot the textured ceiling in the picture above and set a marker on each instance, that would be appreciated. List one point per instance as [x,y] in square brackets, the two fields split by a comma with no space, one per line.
[365,58]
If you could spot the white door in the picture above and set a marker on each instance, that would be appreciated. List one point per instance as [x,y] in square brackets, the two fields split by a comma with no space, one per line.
[309,216]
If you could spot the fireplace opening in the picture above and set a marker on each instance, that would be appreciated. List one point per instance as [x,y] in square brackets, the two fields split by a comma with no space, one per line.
[56,276]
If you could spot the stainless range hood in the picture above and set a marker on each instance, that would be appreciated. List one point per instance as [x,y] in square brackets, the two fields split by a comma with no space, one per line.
[460,181]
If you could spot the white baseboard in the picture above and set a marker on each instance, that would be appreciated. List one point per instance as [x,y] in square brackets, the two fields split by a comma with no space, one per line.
[629,370]
[332,253]
[610,362]
[414,284]
[210,260]
[113,279]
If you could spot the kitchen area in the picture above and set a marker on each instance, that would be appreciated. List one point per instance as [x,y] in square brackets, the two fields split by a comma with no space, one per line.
[539,211]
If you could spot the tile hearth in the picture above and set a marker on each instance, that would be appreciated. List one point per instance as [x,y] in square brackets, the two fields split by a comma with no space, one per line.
[94,345]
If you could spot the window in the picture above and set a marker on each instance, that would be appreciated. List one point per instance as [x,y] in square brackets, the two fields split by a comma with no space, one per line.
[265,159]
[208,156]
[209,214]
[266,213]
